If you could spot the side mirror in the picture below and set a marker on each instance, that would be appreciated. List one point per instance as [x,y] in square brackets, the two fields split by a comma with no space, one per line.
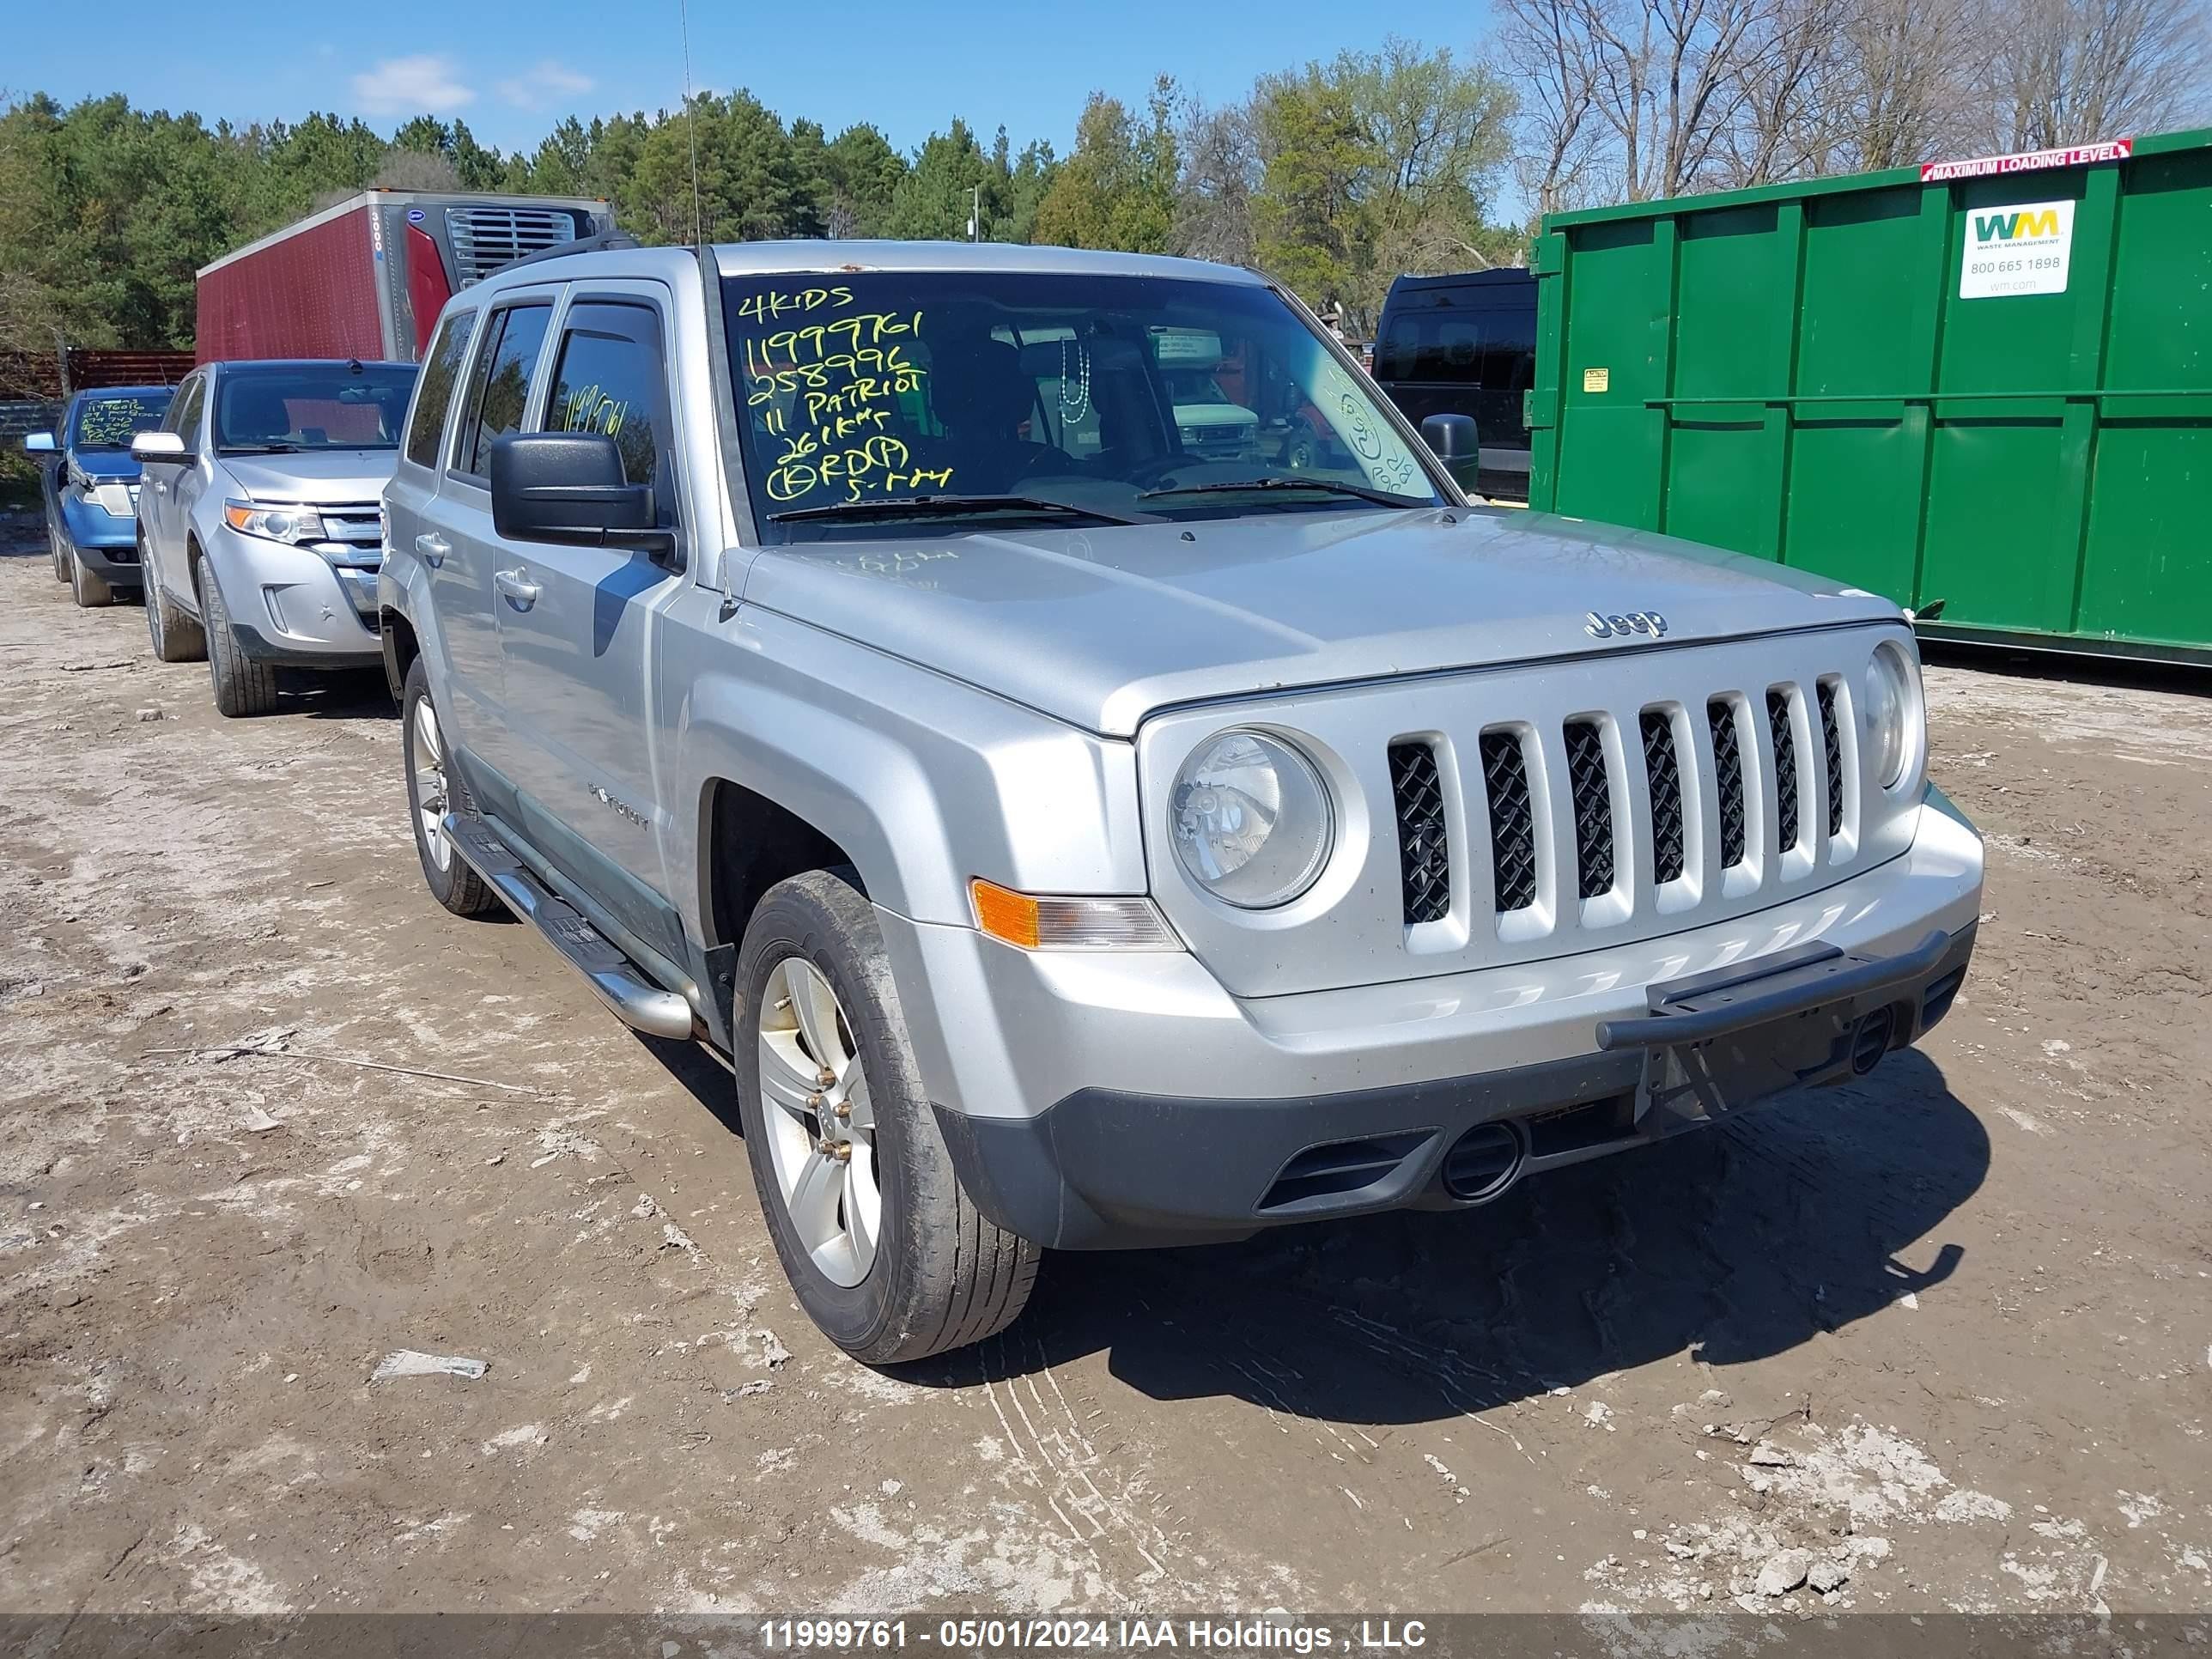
[570,487]
[1453,439]
[159,447]
[39,443]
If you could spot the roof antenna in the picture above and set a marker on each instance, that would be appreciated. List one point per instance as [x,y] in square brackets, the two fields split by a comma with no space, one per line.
[691,123]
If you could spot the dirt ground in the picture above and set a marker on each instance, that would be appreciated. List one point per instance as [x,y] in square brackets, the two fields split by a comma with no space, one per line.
[1948,1331]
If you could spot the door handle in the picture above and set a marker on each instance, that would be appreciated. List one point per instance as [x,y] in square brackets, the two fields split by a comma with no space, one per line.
[432,548]
[513,583]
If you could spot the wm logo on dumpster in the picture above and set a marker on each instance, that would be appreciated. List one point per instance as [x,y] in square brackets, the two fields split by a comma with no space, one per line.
[2004,226]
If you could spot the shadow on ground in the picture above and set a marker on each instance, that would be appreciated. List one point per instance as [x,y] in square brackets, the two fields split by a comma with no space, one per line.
[351,694]
[1730,1245]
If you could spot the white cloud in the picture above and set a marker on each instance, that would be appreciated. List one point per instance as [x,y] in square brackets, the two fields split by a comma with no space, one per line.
[411,86]
[542,81]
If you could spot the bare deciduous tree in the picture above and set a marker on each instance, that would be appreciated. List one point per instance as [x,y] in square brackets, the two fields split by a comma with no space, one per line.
[2070,71]
[1555,63]
[1221,171]
[1629,99]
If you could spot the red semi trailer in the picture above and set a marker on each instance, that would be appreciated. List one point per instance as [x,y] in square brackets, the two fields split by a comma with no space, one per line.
[368,277]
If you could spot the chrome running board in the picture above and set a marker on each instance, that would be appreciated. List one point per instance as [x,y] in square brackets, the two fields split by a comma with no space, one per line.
[635,1000]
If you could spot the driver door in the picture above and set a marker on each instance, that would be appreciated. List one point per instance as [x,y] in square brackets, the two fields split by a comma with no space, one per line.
[577,624]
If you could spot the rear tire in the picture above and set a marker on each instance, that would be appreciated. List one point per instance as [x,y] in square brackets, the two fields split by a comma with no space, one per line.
[174,635]
[242,686]
[937,1274]
[90,592]
[433,788]
[65,555]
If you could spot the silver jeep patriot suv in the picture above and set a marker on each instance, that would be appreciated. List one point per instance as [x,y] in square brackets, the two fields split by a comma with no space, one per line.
[1078,838]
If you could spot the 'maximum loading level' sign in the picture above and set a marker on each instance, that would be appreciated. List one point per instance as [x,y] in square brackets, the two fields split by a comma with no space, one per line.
[2034,161]
[2016,250]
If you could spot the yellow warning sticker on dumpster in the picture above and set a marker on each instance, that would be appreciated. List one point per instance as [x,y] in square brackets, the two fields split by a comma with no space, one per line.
[1597,380]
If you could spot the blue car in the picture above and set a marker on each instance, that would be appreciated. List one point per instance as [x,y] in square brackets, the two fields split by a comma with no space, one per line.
[92,491]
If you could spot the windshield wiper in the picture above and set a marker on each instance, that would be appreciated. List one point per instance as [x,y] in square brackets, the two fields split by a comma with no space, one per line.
[262,449]
[939,506]
[1278,481]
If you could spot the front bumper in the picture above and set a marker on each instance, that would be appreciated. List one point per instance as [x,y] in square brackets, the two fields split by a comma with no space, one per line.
[292,606]
[1102,1101]
[108,544]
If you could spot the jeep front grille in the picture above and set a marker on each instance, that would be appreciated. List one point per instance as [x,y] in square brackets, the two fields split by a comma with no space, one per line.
[1593,800]
[1512,821]
[1785,766]
[487,237]
[1662,772]
[1832,739]
[1690,812]
[1424,851]
[1728,775]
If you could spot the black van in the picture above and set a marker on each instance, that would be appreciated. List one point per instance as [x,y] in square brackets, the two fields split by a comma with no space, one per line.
[1465,345]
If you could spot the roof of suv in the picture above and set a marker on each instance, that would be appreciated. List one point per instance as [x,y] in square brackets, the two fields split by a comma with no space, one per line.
[765,258]
[305,362]
[827,257]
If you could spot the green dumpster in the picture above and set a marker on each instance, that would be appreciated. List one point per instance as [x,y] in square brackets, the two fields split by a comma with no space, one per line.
[1985,383]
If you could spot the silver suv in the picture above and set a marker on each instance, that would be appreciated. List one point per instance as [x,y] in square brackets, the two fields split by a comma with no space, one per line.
[1077,841]
[259,526]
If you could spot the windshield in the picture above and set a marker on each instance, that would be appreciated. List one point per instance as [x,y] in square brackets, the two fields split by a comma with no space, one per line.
[1023,392]
[112,422]
[291,406]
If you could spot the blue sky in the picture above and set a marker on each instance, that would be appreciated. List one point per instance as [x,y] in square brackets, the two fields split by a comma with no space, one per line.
[510,70]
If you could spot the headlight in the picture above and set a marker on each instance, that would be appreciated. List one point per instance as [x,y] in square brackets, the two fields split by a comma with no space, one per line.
[1251,819]
[294,525]
[1891,710]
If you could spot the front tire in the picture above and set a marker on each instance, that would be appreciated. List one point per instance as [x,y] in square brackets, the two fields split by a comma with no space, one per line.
[242,686]
[888,1254]
[174,635]
[90,592]
[433,790]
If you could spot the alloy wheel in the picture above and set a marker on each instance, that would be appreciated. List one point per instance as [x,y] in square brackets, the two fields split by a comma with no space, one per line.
[821,1122]
[426,754]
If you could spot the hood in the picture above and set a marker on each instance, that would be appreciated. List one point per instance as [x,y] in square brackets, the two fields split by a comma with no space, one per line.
[1100,627]
[314,476]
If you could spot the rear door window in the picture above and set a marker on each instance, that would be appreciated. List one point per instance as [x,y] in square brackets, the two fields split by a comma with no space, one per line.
[442,372]
[499,392]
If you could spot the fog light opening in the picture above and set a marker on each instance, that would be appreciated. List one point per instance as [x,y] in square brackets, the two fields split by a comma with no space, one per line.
[1483,1163]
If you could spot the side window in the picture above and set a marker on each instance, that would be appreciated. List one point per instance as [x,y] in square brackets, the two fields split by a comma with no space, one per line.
[500,385]
[611,377]
[185,411]
[442,372]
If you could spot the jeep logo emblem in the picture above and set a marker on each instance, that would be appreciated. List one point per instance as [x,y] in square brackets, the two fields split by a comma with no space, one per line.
[1614,628]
